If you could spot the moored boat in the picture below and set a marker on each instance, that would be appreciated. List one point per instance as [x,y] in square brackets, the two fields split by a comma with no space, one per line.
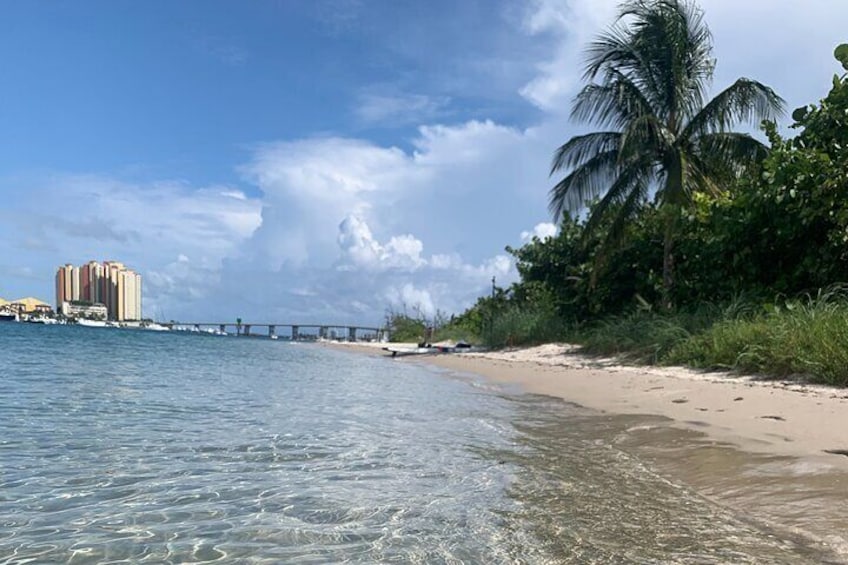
[91,323]
[43,320]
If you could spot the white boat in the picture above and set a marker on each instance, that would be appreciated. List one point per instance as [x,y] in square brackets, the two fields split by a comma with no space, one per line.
[46,321]
[153,326]
[91,323]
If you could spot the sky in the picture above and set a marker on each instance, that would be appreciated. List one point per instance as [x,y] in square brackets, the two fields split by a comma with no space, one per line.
[316,161]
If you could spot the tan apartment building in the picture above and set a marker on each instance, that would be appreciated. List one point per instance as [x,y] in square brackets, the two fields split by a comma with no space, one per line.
[64,290]
[109,283]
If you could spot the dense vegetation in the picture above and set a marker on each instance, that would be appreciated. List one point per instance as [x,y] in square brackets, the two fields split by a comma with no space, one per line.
[760,249]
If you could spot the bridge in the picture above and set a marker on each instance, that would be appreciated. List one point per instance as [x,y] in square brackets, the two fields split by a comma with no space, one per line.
[294,332]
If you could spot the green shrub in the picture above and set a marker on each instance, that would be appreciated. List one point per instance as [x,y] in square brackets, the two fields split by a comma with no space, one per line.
[456,332]
[404,328]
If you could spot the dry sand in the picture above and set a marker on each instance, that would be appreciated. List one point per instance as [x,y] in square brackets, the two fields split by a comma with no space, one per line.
[774,417]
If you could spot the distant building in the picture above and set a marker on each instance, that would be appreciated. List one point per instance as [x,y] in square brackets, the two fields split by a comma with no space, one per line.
[109,283]
[64,289]
[28,305]
[80,309]
[91,282]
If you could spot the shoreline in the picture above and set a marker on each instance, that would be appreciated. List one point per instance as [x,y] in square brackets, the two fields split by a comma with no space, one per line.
[751,445]
[765,416]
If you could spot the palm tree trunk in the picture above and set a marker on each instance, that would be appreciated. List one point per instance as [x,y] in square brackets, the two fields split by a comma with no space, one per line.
[673,198]
[668,261]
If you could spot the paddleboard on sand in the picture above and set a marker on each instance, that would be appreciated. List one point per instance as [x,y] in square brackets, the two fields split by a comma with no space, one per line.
[398,351]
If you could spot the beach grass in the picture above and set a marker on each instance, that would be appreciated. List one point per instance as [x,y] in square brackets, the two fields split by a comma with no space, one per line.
[805,339]
[518,326]
[645,336]
[639,337]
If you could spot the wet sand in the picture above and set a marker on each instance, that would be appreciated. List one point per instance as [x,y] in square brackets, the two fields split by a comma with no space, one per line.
[773,450]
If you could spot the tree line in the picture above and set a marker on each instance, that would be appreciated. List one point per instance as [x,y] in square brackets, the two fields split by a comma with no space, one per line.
[667,213]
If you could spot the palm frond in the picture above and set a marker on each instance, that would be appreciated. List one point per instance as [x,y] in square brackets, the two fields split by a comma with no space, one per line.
[630,184]
[579,149]
[611,49]
[635,199]
[583,184]
[744,101]
[612,104]
[702,176]
[728,155]
[625,208]
[676,45]
[645,138]
[716,161]
[612,56]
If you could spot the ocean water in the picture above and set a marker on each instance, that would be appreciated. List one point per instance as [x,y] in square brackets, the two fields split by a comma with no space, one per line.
[121,446]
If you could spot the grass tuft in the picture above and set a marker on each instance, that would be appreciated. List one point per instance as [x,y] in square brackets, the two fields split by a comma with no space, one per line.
[642,336]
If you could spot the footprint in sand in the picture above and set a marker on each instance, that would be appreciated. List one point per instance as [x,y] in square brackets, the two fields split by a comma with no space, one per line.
[769,417]
[738,398]
[680,400]
[837,451]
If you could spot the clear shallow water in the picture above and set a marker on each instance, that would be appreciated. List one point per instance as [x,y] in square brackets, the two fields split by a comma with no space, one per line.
[122,446]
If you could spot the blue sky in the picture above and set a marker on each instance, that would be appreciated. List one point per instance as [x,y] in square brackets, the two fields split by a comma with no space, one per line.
[303,161]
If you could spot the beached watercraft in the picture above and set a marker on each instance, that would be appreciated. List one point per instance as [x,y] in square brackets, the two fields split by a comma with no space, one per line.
[461,347]
[402,351]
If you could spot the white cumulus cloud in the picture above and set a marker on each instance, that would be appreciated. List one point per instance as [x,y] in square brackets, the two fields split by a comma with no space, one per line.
[542,231]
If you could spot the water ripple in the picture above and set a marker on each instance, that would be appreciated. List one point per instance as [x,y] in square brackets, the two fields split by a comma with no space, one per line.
[126,447]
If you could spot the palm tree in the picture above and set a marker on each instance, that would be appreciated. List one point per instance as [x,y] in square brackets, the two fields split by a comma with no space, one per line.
[648,79]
